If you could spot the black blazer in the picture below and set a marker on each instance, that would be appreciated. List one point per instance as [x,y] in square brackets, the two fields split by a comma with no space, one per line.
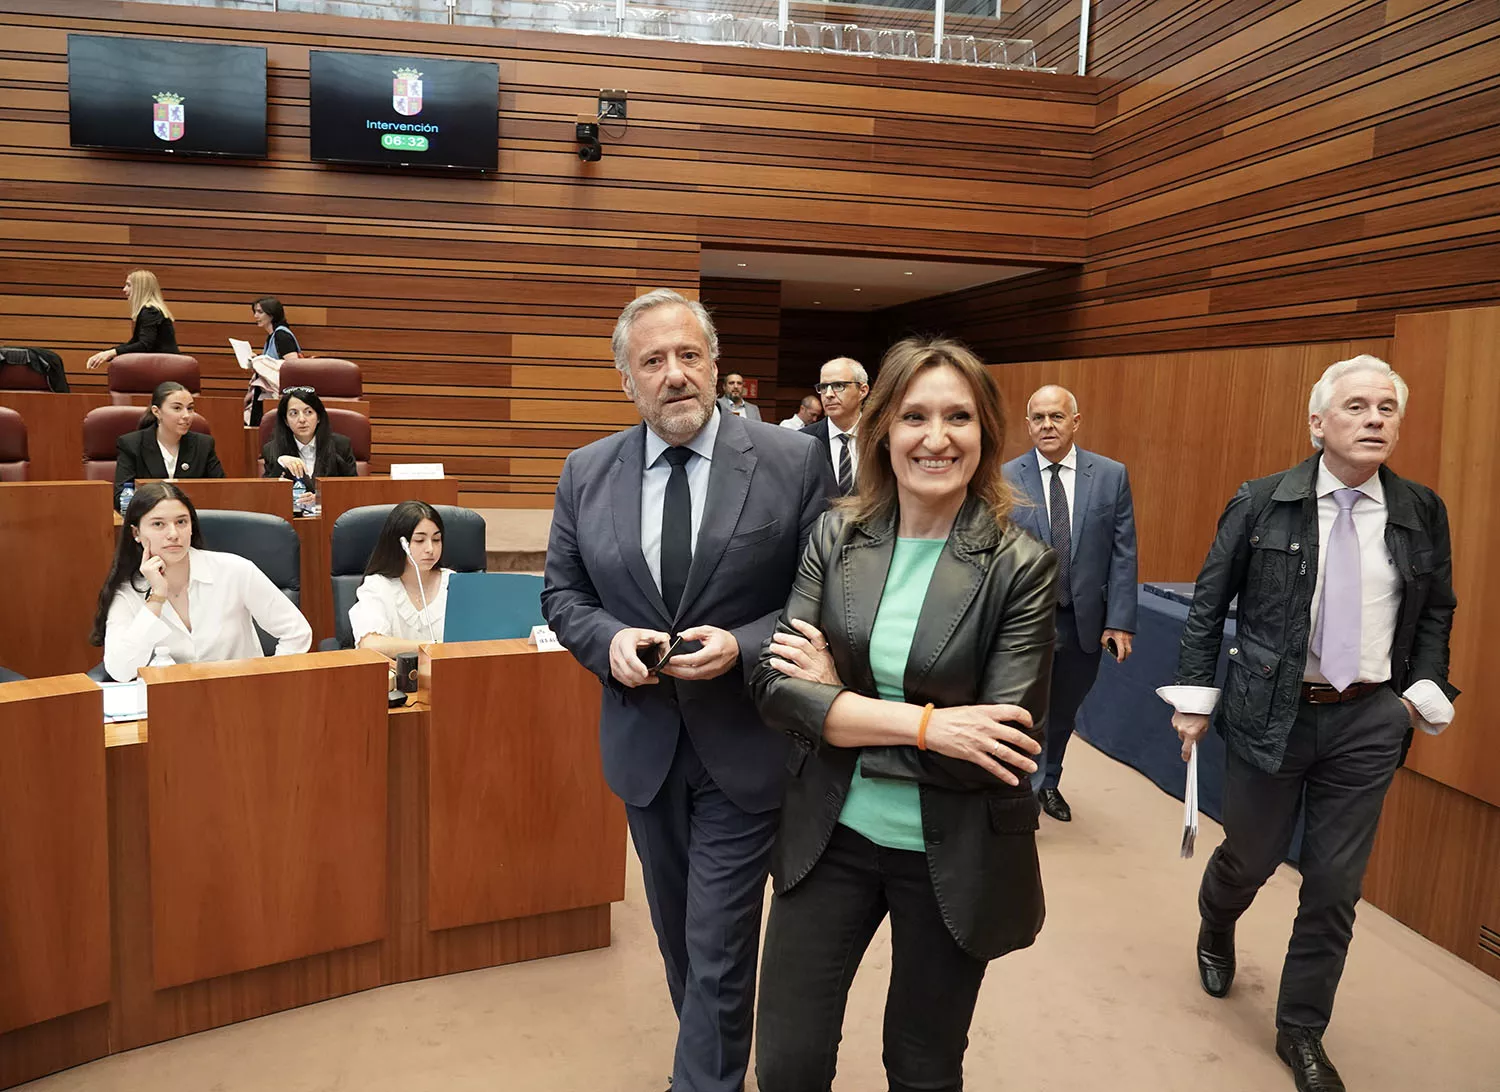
[766,488]
[985,635]
[137,456]
[153,333]
[335,459]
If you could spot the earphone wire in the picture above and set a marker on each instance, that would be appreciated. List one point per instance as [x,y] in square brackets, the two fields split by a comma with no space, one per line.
[421,589]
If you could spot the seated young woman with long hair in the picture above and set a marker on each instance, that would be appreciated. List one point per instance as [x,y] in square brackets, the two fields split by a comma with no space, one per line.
[304,444]
[167,600]
[165,446]
[389,615]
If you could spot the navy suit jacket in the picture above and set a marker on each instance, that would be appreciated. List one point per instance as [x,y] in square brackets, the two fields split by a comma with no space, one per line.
[767,486]
[1103,573]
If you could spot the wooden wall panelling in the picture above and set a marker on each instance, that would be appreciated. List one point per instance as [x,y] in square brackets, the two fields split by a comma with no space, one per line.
[1465,347]
[54,863]
[50,606]
[1189,427]
[1432,867]
[747,316]
[480,308]
[1270,174]
[267,811]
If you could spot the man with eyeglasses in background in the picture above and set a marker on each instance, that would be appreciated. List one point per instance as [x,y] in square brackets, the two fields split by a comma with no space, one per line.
[843,385]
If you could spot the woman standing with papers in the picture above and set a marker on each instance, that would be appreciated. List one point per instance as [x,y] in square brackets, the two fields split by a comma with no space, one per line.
[909,668]
[404,596]
[281,347]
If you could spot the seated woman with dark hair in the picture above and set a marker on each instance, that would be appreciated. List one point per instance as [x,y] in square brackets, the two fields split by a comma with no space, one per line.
[404,596]
[304,445]
[167,600]
[165,446]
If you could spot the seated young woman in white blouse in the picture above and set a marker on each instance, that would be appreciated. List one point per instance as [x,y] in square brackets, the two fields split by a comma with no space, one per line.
[389,615]
[169,601]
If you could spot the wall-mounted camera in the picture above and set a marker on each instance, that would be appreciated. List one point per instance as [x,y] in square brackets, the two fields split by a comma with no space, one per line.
[587,132]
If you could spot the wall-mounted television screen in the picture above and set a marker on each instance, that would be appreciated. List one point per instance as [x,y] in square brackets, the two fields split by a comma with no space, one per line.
[404,111]
[149,95]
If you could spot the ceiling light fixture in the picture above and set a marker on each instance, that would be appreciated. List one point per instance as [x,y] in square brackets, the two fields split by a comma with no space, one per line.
[740,264]
[859,289]
[906,273]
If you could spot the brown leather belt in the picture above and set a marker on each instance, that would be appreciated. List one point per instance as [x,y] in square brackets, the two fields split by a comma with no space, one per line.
[1323,694]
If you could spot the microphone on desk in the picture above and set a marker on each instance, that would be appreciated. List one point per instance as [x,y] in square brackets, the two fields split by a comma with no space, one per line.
[421,588]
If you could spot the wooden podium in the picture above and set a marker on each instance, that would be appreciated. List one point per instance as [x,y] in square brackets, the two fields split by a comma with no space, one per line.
[275,836]
[59,539]
[54,877]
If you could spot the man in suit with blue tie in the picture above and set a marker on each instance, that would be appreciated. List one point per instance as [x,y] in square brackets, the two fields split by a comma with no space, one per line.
[1079,504]
[689,525]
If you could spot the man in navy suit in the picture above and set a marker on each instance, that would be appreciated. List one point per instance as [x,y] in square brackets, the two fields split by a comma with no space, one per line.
[690,524]
[1080,505]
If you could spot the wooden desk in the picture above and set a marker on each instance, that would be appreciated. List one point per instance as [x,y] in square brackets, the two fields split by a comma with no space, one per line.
[54,876]
[519,823]
[58,539]
[239,494]
[54,430]
[339,495]
[277,837]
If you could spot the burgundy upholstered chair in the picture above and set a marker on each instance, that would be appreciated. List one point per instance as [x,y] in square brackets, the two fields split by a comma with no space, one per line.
[14,460]
[135,374]
[102,429]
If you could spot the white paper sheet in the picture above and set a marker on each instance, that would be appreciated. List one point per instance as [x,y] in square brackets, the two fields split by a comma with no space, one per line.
[242,352]
[1190,805]
[124,700]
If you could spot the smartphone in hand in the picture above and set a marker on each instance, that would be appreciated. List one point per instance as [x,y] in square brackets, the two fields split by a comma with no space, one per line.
[655,658]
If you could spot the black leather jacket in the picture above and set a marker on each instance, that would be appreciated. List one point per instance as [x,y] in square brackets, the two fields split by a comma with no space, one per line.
[1266,553]
[985,635]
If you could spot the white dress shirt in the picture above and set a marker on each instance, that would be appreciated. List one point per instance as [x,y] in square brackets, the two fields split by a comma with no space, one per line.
[794,422]
[1380,600]
[168,460]
[837,437]
[227,594]
[307,452]
[1380,597]
[1069,475]
[383,608]
[654,488]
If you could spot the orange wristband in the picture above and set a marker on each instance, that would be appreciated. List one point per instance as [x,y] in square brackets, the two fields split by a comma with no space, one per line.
[922,727]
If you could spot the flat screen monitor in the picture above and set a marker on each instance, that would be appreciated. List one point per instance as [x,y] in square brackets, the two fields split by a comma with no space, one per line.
[149,95]
[404,111]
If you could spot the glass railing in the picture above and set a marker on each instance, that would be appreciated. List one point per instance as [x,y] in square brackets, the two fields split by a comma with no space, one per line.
[1036,35]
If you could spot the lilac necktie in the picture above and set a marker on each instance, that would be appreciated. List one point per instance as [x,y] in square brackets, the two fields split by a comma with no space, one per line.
[1337,640]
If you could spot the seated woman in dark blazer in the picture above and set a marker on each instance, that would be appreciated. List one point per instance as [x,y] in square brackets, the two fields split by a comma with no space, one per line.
[910,669]
[164,446]
[152,330]
[303,444]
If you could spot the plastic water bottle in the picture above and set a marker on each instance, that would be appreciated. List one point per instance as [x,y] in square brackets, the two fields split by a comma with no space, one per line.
[127,494]
[299,497]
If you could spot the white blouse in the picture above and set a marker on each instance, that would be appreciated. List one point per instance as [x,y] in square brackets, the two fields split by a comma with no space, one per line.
[227,594]
[383,608]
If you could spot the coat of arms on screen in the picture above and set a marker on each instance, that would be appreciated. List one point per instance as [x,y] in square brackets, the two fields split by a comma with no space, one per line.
[167,116]
[406,91]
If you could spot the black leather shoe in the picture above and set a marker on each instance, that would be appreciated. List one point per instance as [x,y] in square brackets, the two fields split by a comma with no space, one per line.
[1215,960]
[1054,805]
[1302,1049]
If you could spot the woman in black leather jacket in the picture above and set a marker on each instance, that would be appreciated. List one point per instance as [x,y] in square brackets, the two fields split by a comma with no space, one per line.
[909,668]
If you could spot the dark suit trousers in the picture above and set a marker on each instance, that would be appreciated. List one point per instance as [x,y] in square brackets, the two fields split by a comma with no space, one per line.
[1073,673]
[705,863]
[1340,759]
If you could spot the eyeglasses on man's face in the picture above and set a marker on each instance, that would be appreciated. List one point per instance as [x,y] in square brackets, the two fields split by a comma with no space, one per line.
[836,387]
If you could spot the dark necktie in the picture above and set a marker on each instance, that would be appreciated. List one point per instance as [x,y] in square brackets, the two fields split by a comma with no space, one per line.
[846,465]
[676,529]
[1062,534]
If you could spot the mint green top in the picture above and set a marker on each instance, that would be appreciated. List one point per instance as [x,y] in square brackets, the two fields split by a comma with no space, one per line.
[889,813]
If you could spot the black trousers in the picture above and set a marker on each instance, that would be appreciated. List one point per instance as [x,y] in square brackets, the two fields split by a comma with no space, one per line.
[705,863]
[1074,670]
[817,935]
[1340,760]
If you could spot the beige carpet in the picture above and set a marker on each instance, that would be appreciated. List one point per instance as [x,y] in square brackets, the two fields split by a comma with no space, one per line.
[1107,1001]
